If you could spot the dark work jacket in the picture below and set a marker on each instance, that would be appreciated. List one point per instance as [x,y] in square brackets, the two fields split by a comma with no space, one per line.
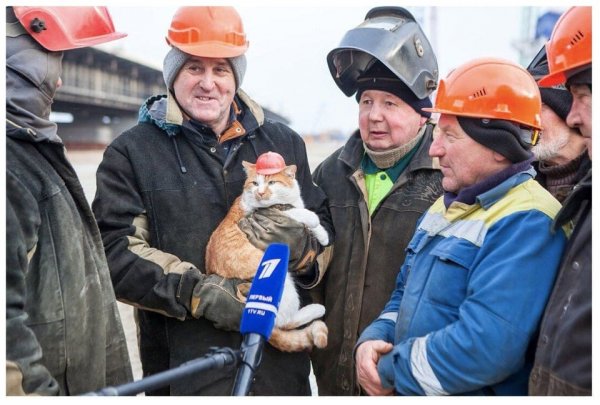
[563,360]
[63,330]
[367,253]
[162,188]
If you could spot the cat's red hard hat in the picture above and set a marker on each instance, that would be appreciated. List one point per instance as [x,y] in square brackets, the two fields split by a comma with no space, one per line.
[269,163]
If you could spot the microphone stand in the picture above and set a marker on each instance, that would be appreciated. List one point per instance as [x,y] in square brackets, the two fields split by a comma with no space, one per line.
[216,359]
[252,351]
[256,326]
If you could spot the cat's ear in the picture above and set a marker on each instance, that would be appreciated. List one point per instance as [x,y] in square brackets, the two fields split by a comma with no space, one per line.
[290,171]
[248,166]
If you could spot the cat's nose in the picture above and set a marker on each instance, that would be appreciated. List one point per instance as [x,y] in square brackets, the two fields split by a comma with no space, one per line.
[261,190]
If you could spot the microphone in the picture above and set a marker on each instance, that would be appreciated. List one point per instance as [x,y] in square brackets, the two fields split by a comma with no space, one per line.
[259,314]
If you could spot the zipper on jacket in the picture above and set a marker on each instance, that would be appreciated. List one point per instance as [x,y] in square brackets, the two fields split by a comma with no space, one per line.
[181,165]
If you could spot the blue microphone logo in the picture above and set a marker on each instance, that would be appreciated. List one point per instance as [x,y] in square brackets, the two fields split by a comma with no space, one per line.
[266,291]
[268,268]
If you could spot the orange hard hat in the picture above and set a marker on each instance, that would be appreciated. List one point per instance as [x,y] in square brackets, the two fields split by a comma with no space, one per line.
[212,32]
[63,28]
[269,163]
[490,88]
[570,45]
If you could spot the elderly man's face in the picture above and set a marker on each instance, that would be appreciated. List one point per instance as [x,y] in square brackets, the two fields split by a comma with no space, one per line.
[558,143]
[385,121]
[580,116]
[463,161]
[204,89]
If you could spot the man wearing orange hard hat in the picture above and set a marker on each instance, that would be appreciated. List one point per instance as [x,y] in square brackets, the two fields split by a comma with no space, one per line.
[63,331]
[563,359]
[165,185]
[481,263]
[562,158]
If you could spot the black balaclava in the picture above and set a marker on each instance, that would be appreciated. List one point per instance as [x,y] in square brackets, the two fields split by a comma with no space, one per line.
[32,74]
[558,98]
[500,136]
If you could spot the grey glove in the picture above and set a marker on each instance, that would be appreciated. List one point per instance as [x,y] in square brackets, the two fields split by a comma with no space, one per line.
[220,300]
[270,225]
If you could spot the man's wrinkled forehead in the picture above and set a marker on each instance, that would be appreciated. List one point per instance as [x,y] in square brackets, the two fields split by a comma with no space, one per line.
[201,60]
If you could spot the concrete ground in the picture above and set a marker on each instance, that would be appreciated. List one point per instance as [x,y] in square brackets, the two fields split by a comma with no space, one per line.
[86,162]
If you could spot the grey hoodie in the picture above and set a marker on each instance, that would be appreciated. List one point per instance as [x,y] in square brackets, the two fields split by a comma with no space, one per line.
[32,75]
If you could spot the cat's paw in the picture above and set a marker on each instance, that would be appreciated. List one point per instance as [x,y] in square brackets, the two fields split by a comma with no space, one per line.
[302,215]
[321,234]
[319,333]
[315,310]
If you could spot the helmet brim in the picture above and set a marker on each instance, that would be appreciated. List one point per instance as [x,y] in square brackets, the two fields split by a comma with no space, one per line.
[561,76]
[266,172]
[212,49]
[552,79]
[478,115]
[57,46]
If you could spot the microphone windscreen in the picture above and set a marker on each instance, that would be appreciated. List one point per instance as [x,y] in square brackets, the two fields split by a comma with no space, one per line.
[265,293]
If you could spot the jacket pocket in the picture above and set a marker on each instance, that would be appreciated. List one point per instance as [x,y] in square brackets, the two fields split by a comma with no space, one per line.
[448,281]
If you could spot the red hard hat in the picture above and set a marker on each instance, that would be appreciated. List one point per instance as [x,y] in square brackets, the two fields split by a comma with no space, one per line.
[570,46]
[63,28]
[269,163]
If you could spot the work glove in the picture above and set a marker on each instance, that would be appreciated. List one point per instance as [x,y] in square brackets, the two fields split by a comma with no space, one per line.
[220,300]
[270,225]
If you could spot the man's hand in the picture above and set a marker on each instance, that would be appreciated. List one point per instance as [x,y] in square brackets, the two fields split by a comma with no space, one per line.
[270,225]
[367,356]
[220,300]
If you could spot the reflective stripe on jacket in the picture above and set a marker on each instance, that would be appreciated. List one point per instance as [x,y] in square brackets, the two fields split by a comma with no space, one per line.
[470,294]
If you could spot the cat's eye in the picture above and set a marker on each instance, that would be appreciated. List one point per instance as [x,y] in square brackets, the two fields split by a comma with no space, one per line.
[271,182]
[254,183]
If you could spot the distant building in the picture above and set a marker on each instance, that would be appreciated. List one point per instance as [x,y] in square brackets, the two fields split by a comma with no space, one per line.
[101,96]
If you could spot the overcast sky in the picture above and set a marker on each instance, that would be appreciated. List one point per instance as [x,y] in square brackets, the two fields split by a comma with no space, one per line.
[287,70]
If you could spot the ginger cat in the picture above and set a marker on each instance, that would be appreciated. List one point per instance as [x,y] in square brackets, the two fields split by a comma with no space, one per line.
[230,254]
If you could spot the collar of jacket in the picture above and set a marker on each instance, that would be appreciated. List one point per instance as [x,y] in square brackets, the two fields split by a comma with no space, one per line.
[16,131]
[580,198]
[490,197]
[491,189]
[353,151]
[164,112]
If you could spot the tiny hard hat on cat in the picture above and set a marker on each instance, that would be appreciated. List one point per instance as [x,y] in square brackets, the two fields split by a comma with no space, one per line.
[269,163]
